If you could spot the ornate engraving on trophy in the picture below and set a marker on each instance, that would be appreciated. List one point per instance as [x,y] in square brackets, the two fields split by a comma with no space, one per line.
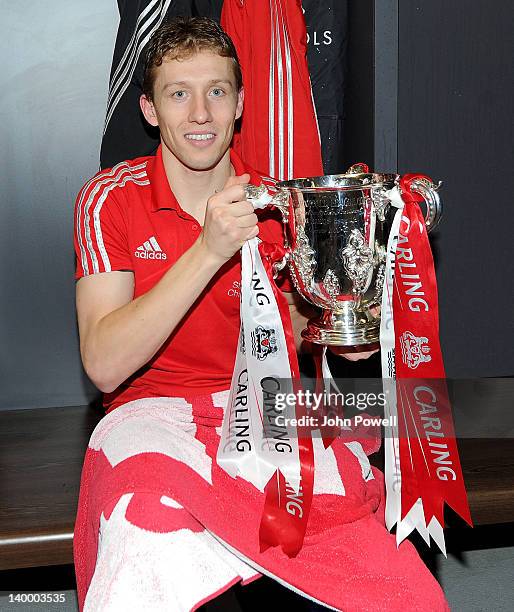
[349,208]
[379,284]
[379,265]
[331,286]
[303,259]
[380,202]
[358,261]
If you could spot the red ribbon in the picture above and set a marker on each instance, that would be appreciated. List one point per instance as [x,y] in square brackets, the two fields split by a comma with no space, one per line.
[429,457]
[285,514]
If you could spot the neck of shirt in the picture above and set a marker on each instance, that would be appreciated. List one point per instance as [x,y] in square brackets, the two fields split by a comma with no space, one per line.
[191,188]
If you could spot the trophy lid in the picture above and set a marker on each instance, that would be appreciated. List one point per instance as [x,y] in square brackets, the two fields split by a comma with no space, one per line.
[341,182]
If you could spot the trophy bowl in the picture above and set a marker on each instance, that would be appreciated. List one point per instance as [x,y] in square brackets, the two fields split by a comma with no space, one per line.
[337,229]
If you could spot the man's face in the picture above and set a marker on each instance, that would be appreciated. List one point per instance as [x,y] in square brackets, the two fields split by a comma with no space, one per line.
[195,106]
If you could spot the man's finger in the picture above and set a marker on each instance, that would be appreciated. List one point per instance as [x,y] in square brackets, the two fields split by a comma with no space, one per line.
[241,209]
[237,180]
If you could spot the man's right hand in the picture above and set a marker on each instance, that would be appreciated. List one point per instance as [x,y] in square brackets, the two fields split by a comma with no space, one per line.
[230,220]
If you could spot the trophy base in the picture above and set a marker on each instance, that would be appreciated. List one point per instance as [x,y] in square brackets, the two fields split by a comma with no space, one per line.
[345,328]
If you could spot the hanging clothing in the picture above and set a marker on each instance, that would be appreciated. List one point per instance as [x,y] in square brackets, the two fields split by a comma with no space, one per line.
[279,131]
[127,135]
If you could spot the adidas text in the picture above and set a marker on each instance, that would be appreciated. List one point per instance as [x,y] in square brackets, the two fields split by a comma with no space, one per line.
[150,255]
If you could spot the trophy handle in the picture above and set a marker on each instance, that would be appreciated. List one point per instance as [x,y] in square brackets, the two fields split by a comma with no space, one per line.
[428,191]
[279,265]
[260,197]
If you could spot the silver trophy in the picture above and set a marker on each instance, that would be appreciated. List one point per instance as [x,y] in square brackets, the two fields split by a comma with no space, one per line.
[337,229]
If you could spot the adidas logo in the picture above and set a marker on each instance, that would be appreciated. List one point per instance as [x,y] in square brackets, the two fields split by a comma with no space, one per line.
[150,250]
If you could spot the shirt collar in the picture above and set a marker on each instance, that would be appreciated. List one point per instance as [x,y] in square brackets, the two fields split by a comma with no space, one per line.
[162,194]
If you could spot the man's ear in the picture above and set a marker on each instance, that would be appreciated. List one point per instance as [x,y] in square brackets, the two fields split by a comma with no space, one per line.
[148,110]
[240,102]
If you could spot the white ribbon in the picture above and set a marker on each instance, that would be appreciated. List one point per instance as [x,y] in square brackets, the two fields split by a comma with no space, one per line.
[254,442]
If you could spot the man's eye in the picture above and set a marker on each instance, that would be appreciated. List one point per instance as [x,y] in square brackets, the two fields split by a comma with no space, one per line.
[178,94]
[217,92]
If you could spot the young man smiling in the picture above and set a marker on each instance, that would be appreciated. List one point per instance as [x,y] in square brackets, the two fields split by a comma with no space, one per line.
[195,100]
[194,95]
[159,524]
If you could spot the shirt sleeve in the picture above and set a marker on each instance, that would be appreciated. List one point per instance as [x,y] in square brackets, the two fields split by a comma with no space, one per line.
[100,236]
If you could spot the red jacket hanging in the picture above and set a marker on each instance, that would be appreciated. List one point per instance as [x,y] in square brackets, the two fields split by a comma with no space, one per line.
[279,130]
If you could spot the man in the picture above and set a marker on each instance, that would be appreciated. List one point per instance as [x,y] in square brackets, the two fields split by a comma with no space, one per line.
[157,239]
[126,133]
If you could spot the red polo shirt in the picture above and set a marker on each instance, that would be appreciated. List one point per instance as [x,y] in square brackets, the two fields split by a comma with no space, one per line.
[127,218]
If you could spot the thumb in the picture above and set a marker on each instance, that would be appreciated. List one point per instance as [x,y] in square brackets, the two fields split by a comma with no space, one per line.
[237,180]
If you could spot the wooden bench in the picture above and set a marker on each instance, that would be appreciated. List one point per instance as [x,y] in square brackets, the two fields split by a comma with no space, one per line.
[41,454]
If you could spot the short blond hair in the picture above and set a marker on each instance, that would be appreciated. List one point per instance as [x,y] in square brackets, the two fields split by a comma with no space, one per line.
[181,37]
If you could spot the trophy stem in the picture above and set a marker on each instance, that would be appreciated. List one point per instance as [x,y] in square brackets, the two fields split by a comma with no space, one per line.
[348,327]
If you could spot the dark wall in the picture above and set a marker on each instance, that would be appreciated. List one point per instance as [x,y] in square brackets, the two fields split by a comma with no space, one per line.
[455,123]
[359,124]
[327,55]
[429,90]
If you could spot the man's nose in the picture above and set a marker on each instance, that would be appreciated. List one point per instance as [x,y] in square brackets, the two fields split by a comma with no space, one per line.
[200,111]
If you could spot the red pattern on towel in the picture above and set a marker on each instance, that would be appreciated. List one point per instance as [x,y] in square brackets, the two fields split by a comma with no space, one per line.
[349,561]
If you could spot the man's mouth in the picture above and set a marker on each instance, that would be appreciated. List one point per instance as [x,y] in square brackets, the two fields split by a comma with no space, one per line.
[206,136]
